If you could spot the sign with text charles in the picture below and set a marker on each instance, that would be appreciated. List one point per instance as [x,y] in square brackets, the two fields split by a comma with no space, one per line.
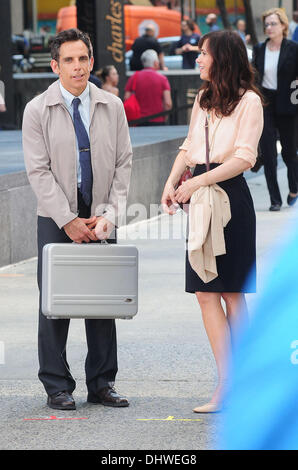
[104,20]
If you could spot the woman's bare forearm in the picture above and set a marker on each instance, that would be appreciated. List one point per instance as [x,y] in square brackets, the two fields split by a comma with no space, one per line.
[178,168]
[223,172]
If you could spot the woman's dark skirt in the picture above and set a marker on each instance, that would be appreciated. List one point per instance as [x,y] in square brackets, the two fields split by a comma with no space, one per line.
[237,268]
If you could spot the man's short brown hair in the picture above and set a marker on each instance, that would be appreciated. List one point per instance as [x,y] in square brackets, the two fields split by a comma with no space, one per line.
[68,35]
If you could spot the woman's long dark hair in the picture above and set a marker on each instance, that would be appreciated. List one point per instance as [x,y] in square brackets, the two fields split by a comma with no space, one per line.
[230,74]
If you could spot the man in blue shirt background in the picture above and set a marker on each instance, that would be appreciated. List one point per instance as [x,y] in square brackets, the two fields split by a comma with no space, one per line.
[188,44]
[211,20]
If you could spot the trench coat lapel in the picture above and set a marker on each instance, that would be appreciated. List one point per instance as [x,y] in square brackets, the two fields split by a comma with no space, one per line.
[282,54]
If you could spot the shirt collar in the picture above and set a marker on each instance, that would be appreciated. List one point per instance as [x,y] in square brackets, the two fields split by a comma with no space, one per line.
[68,97]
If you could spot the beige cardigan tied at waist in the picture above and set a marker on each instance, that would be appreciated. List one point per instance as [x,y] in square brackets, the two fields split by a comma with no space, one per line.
[209,213]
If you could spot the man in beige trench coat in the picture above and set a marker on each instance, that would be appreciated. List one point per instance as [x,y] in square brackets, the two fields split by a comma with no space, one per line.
[78,159]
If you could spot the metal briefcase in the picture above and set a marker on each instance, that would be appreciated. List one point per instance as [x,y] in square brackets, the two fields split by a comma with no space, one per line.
[89,280]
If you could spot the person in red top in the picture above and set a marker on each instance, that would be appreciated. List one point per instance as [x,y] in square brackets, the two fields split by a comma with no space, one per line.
[152,89]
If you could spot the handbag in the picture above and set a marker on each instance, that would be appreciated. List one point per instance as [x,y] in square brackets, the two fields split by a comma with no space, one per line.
[187,174]
[131,105]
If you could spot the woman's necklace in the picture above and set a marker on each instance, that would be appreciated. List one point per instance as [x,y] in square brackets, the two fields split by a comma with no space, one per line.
[211,144]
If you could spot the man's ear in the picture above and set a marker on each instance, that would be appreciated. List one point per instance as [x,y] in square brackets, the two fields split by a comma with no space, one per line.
[91,63]
[55,66]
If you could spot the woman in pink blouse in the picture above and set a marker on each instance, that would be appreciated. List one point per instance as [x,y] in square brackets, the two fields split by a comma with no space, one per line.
[232,105]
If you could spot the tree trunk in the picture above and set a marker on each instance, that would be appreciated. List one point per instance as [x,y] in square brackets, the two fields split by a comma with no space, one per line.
[221,5]
[250,24]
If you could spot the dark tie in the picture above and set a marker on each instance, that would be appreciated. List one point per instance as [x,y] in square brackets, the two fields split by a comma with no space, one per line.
[85,155]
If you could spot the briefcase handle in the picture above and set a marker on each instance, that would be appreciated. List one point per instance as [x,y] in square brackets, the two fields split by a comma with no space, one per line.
[102,242]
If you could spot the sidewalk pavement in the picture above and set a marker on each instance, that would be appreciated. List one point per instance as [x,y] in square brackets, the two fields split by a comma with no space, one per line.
[166,367]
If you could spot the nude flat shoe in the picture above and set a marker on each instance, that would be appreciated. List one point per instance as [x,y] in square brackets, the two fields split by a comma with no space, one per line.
[208,408]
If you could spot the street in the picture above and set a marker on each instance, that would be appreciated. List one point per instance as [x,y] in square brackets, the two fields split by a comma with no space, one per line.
[166,367]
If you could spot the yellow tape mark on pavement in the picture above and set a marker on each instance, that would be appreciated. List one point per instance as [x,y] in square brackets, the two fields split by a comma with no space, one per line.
[169,418]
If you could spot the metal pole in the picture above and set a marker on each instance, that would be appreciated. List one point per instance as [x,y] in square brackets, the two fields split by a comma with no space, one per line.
[34,14]
[193,10]
[236,10]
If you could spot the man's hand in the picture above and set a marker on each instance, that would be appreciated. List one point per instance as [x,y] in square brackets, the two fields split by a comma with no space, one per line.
[186,47]
[103,228]
[79,231]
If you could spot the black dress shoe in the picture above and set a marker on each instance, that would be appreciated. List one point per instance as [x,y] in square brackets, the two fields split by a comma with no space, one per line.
[61,401]
[108,397]
[275,207]
[291,200]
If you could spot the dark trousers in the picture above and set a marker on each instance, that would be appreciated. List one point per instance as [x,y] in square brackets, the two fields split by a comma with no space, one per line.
[101,361]
[285,126]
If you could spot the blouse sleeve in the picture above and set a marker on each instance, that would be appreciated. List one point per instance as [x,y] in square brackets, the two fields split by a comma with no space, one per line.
[187,141]
[250,129]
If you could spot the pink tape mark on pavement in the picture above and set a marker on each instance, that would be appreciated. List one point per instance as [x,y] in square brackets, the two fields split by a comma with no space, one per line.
[50,418]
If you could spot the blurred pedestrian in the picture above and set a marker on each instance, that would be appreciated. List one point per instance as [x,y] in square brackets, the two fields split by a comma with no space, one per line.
[293,25]
[110,79]
[295,35]
[2,104]
[152,89]
[225,127]
[141,44]
[262,405]
[211,21]
[276,61]
[241,30]
[188,44]
[95,80]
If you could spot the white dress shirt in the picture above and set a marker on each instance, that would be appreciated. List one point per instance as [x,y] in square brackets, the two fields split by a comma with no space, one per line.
[84,109]
[270,69]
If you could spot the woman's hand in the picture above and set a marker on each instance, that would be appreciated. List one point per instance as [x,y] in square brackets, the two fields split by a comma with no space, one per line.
[168,200]
[184,192]
[103,228]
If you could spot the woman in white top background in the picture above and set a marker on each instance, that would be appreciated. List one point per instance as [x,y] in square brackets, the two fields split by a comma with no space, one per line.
[232,105]
[276,63]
